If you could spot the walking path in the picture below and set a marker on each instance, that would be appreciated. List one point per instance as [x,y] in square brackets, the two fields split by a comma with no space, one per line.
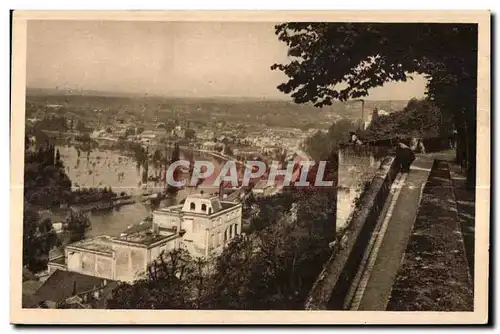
[377,278]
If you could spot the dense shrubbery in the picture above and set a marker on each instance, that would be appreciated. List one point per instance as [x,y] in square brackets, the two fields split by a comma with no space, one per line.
[321,144]
[53,123]
[273,267]
[45,182]
[420,118]
[90,195]
[39,238]
[76,225]
[46,185]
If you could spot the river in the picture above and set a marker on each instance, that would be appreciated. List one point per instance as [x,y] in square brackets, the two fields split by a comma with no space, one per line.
[107,168]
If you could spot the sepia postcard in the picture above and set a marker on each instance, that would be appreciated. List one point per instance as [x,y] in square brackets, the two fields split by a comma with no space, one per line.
[251,167]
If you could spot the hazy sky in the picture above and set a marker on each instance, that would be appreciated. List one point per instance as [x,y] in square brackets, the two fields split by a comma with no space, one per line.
[167,58]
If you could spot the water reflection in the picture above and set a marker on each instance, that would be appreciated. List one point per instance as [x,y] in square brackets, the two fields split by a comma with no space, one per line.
[114,222]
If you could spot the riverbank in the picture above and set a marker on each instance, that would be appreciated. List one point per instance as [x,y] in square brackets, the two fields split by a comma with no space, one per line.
[103,205]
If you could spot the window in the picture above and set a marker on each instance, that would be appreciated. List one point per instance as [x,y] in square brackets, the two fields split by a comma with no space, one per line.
[192,206]
[204,207]
[209,211]
[231,231]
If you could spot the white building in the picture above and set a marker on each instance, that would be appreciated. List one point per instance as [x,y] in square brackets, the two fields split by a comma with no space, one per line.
[148,134]
[203,225]
[207,223]
[123,258]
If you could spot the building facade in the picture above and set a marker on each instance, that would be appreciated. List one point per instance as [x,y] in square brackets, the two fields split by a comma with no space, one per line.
[207,223]
[203,225]
[123,258]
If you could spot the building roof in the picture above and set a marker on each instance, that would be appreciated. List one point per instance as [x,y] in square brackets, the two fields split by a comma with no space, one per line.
[216,204]
[58,260]
[227,205]
[59,286]
[102,244]
[143,226]
[144,238]
[202,196]
[262,184]
[171,209]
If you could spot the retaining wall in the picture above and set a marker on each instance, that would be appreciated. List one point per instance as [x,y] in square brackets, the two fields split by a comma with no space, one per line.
[332,285]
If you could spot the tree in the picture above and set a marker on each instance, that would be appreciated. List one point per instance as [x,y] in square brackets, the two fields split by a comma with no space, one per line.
[58,161]
[270,269]
[227,150]
[77,225]
[157,158]
[176,155]
[129,131]
[39,238]
[167,284]
[190,134]
[339,61]
[420,118]
[81,127]
[320,145]
[45,182]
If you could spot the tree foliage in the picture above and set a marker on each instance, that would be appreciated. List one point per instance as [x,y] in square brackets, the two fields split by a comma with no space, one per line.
[420,118]
[170,282]
[320,145]
[190,134]
[39,238]
[176,155]
[45,182]
[340,61]
[52,123]
[130,131]
[76,225]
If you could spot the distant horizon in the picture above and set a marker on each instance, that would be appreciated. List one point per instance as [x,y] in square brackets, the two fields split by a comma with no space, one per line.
[286,98]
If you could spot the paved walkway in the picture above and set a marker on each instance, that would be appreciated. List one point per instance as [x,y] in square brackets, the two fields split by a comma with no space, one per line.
[375,288]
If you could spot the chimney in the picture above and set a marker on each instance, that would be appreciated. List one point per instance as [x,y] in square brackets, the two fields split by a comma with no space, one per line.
[221,190]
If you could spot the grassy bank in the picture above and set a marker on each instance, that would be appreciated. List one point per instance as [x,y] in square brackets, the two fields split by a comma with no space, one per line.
[434,274]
